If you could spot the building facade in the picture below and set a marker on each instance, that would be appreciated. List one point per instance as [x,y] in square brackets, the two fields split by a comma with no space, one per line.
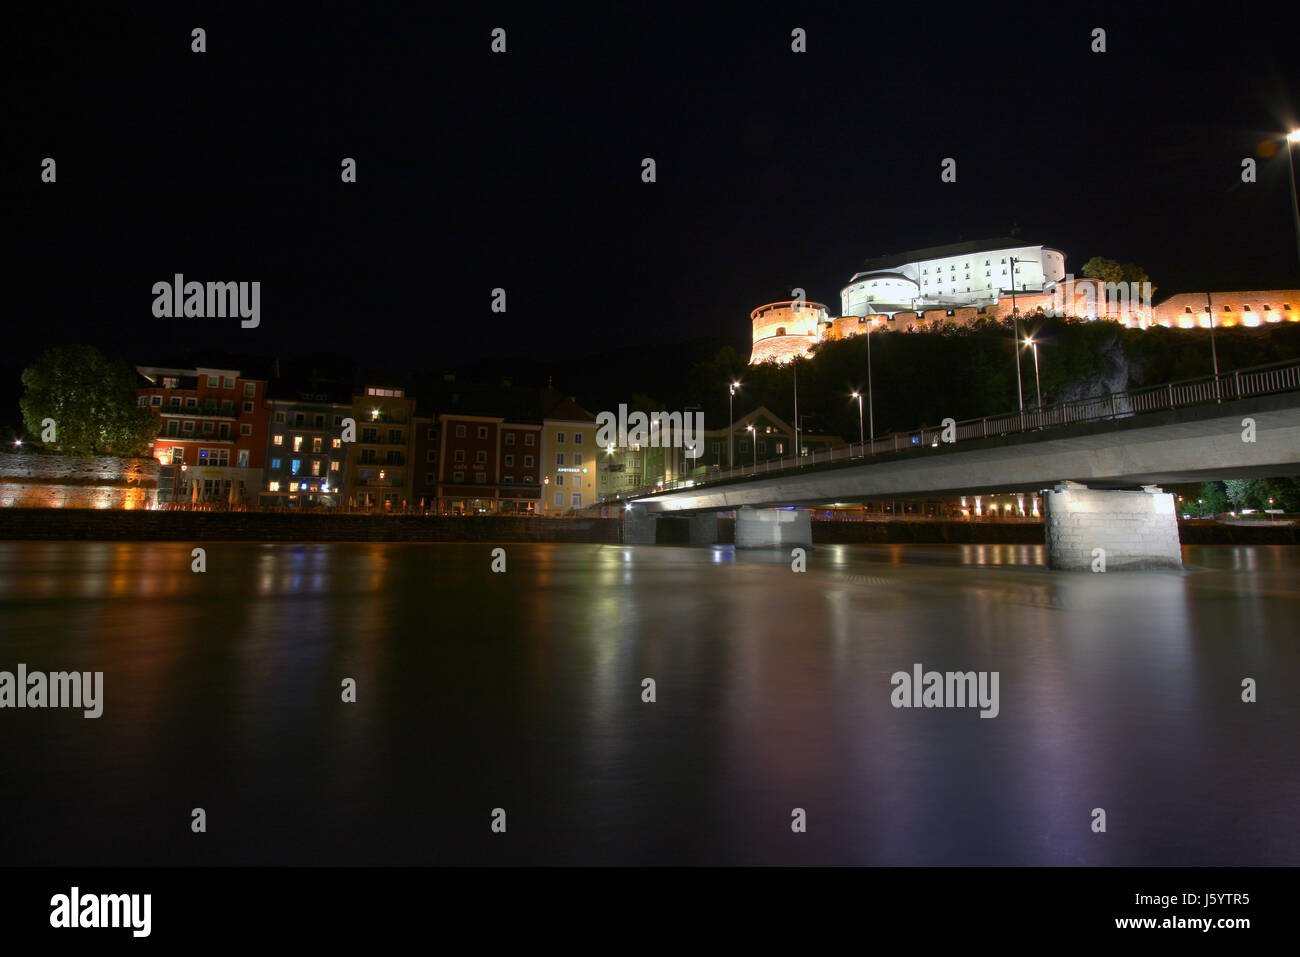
[306,458]
[568,461]
[379,472]
[212,432]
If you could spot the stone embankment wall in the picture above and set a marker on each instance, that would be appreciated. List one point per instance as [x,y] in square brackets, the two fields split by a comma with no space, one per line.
[30,480]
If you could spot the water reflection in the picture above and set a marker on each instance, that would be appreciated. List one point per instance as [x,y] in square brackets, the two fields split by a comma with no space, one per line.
[525,690]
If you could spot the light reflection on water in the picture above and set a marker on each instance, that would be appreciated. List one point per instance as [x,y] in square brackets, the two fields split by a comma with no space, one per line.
[523,690]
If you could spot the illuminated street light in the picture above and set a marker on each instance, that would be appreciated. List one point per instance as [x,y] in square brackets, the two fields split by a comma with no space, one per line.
[731,425]
[1038,385]
[861,437]
[1293,137]
[754,439]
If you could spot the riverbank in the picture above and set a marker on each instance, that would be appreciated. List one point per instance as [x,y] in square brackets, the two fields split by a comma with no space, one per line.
[35,524]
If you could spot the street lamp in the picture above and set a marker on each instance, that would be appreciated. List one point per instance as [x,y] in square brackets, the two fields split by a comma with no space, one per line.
[1038,385]
[753,438]
[731,426]
[861,438]
[1293,137]
[1015,319]
[871,409]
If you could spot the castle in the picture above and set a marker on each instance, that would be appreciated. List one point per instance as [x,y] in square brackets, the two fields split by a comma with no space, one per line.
[925,288]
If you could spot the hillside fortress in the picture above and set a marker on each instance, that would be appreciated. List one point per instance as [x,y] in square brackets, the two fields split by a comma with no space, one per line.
[925,288]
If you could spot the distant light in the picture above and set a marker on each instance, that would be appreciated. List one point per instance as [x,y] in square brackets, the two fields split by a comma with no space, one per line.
[374,413]
[1294,136]
[18,441]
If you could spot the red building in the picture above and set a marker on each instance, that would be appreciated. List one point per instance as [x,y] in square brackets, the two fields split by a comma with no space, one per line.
[213,430]
[487,465]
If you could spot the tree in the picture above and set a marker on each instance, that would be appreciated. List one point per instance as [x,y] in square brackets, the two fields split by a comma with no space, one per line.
[91,400]
[1108,270]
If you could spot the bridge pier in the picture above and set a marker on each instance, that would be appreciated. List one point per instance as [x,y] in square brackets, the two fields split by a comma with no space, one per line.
[643,527]
[1132,530]
[768,527]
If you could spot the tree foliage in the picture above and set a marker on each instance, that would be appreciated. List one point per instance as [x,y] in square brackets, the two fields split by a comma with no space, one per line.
[91,400]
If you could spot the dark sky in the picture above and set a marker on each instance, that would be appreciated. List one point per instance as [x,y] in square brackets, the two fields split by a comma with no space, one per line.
[522,170]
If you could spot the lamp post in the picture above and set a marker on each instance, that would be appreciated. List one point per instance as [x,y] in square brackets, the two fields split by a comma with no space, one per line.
[753,438]
[1038,385]
[1214,352]
[794,365]
[1293,137]
[731,426]
[1015,319]
[861,437]
[871,409]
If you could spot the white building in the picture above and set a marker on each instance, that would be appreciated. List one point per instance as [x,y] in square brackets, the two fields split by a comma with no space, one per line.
[962,274]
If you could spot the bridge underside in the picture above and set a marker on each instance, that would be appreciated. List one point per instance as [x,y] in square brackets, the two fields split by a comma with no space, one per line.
[1094,518]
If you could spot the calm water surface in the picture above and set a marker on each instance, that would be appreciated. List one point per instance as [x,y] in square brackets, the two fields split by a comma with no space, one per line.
[522,691]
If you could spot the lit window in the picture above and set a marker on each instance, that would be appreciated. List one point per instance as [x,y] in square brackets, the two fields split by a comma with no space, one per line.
[334,465]
[295,466]
[273,487]
[277,440]
[336,443]
[297,443]
[275,463]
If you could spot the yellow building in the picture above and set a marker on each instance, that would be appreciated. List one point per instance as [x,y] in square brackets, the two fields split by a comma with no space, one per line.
[569,456]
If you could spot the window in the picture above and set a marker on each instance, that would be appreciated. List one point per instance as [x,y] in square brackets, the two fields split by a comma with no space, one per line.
[172,427]
[559,458]
[480,456]
[336,443]
[248,407]
[480,477]
[229,382]
[297,443]
[299,418]
[509,460]
[315,466]
[458,476]
[143,401]
[277,440]
[430,456]
[178,455]
[156,401]
[510,438]
[316,443]
[460,431]
[368,456]
[559,500]
[273,487]
[431,434]
[559,480]
[430,478]
[207,428]
[1267,308]
[169,382]
[334,465]
[275,463]
[243,458]
[1245,308]
[395,437]
[529,438]
[175,402]
[528,480]
[319,419]
[279,417]
[577,457]
[482,431]
[369,435]
[224,431]
[250,389]
[528,461]
[460,455]
[576,499]
[577,438]
[214,381]
[191,402]
[245,428]
[559,438]
[717,448]
[295,466]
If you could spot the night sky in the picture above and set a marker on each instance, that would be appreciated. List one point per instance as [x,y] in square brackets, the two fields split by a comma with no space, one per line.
[522,170]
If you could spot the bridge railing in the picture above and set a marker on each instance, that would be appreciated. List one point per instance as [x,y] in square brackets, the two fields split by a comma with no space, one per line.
[1239,384]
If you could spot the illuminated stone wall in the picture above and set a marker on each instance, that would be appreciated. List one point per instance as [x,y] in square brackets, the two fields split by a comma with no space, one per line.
[29,480]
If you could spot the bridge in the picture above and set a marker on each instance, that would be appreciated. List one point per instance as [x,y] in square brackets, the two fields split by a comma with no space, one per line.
[1098,461]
